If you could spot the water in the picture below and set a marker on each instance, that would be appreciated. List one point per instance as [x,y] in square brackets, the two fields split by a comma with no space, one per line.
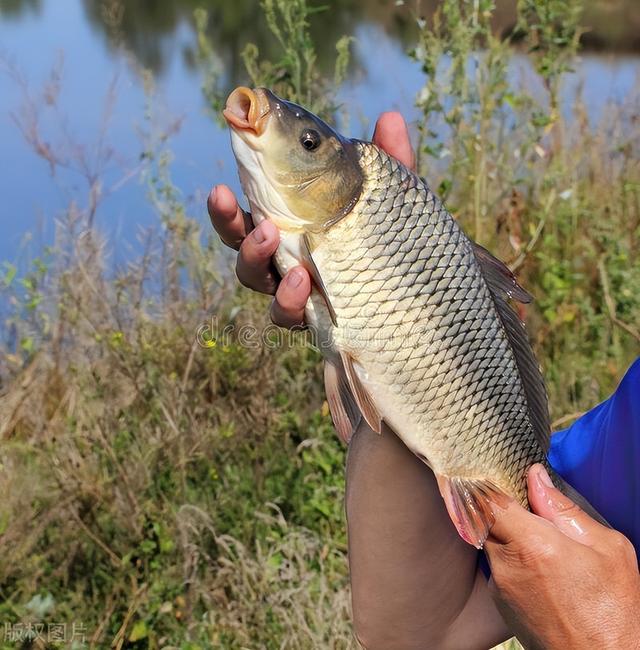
[37,36]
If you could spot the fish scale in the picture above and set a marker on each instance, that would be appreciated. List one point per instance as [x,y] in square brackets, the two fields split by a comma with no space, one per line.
[461,360]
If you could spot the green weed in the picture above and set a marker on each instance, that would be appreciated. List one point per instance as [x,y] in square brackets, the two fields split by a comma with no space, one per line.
[168,485]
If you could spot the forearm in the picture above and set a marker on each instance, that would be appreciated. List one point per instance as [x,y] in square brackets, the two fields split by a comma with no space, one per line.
[413,579]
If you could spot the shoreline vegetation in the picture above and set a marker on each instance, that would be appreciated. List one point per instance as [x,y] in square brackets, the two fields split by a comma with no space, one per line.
[168,485]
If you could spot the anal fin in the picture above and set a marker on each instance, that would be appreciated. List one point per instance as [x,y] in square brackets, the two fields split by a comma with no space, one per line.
[344,411]
[468,503]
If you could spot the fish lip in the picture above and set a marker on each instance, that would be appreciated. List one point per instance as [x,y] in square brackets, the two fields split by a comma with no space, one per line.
[248,110]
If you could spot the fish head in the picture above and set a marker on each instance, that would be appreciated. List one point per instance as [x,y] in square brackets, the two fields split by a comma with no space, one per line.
[294,168]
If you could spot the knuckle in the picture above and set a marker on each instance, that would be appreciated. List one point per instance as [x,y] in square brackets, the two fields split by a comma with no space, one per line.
[567,508]
[286,304]
[621,546]
[543,554]
[287,318]
[534,554]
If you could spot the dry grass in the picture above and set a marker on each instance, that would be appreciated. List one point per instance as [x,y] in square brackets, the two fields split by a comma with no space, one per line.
[167,493]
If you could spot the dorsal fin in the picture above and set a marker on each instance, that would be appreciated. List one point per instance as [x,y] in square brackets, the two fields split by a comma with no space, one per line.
[499,277]
[503,285]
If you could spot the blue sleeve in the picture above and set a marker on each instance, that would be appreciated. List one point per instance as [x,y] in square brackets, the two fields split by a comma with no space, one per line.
[599,455]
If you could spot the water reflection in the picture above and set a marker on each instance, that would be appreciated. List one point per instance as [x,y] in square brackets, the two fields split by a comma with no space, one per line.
[15,8]
[86,34]
[148,29]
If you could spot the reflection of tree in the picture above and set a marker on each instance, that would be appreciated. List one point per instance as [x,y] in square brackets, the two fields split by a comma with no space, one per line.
[17,7]
[146,28]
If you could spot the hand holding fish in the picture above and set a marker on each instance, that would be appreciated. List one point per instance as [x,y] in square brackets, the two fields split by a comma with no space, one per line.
[564,580]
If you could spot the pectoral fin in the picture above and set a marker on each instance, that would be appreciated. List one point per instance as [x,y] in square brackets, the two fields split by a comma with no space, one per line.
[468,503]
[361,395]
[310,266]
[344,410]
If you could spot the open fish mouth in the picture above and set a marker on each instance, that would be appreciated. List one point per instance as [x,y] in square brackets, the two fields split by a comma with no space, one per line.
[248,110]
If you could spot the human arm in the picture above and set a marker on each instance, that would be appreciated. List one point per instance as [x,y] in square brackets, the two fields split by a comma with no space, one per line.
[599,455]
[415,583]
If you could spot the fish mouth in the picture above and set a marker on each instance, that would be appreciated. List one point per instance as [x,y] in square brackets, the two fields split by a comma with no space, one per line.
[248,110]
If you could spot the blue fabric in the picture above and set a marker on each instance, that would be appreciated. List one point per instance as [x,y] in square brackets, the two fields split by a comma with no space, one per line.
[599,455]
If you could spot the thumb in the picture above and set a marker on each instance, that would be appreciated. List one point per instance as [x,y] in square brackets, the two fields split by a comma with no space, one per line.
[518,538]
[392,135]
[550,504]
[513,523]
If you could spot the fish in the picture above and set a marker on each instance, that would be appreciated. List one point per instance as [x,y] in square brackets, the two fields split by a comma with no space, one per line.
[414,319]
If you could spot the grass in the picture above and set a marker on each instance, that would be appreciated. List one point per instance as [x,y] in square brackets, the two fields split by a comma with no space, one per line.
[171,478]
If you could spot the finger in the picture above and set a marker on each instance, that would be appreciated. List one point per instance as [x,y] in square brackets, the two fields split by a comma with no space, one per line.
[519,538]
[548,502]
[287,309]
[513,523]
[254,268]
[392,135]
[228,218]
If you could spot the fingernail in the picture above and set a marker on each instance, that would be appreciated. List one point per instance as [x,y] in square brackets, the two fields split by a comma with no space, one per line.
[214,191]
[294,279]
[258,235]
[544,477]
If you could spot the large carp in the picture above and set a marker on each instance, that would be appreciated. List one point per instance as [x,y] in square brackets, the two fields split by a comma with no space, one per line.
[413,318]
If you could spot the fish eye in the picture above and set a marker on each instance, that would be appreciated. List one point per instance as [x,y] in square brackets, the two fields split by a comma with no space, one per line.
[310,139]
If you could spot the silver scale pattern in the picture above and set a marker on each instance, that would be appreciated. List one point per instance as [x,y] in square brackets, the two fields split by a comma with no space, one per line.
[415,311]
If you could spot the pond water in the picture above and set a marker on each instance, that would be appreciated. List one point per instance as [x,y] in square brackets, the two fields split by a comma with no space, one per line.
[70,37]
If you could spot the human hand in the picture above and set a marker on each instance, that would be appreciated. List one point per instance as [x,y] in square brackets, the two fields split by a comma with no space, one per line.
[562,580]
[257,245]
